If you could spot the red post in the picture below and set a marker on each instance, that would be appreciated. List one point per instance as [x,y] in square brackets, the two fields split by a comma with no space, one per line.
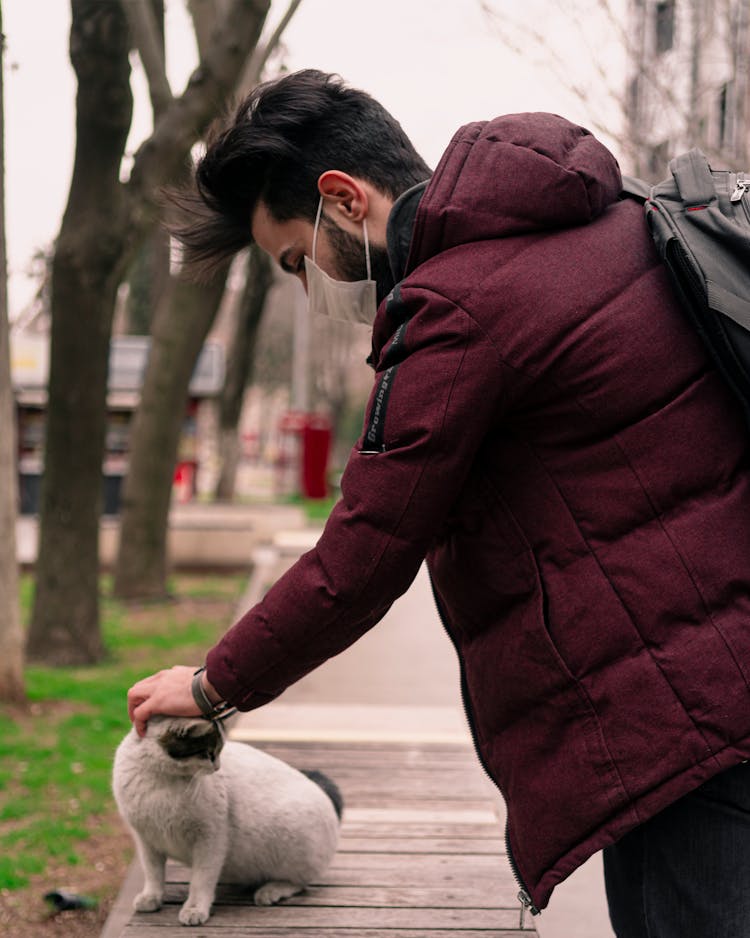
[316,449]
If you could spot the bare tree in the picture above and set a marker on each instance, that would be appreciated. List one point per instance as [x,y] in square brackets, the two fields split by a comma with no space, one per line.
[141,568]
[65,619]
[149,272]
[247,316]
[664,101]
[104,223]
[532,37]
[11,636]
[142,562]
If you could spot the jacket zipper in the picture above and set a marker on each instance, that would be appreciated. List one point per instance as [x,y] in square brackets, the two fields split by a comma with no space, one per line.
[524,896]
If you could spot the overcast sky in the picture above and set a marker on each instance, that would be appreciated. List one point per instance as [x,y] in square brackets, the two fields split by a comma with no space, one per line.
[435,64]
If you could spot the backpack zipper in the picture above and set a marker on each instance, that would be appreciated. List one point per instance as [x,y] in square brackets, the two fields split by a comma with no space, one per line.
[524,896]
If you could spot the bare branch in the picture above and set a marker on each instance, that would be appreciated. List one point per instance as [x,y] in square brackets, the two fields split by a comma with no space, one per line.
[147,37]
[519,36]
[254,70]
[162,157]
[205,15]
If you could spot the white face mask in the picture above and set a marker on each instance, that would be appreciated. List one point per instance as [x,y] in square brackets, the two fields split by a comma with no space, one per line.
[347,301]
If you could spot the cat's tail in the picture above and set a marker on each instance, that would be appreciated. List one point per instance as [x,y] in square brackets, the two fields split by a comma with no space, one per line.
[329,787]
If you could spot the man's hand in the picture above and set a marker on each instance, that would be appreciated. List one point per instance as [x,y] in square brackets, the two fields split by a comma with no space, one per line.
[168,692]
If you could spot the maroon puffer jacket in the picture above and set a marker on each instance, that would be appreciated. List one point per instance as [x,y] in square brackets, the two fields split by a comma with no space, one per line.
[546,429]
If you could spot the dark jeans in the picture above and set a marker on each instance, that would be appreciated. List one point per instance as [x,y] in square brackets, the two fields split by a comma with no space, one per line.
[686,872]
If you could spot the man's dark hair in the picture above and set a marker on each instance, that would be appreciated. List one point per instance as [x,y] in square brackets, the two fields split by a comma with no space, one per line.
[279,141]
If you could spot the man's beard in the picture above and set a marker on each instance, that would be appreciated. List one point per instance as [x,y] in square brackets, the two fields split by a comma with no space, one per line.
[350,259]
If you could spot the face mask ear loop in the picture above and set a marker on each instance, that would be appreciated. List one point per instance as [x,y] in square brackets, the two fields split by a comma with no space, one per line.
[315,229]
[367,249]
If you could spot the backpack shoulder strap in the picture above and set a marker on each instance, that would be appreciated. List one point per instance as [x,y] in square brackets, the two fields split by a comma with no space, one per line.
[635,189]
[692,176]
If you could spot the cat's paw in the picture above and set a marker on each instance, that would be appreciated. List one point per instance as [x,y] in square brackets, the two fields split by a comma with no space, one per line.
[274,892]
[194,914]
[147,902]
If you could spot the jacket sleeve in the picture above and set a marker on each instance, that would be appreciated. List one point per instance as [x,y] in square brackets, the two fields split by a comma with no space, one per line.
[437,392]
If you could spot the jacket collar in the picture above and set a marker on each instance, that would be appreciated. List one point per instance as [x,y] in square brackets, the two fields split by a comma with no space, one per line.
[400,228]
[398,237]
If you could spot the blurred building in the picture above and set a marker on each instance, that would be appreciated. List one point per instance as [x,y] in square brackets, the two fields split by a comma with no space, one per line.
[689,82]
[127,363]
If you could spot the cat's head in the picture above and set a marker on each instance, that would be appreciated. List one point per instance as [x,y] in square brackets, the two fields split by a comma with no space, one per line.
[185,745]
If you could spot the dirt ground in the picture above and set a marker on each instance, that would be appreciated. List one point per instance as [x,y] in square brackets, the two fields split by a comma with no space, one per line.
[105,858]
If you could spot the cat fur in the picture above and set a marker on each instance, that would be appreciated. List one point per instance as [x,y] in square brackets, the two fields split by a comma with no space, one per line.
[226,810]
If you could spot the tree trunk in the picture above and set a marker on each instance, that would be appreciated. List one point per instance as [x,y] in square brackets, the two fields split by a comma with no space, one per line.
[65,619]
[258,279]
[141,567]
[180,327]
[147,280]
[149,272]
[104,224]
[11,635]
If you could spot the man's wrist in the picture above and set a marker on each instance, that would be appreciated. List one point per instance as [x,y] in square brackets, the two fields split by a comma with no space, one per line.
[205,696]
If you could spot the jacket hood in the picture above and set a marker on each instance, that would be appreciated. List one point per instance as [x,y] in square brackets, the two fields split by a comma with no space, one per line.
[517,174]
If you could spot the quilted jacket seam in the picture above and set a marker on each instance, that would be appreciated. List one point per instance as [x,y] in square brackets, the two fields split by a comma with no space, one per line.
[620,599]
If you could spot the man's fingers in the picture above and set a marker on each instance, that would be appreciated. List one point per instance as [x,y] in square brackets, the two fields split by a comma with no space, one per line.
[140,719]
[140,692]
[166,692]
[139,710]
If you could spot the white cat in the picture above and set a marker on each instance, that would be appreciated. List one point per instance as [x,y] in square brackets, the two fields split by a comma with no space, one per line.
[242,817]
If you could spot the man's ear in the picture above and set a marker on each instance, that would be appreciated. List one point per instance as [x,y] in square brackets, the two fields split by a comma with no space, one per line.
[344,193]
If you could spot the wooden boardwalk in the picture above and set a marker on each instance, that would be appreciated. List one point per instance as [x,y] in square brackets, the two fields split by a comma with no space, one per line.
[421,855]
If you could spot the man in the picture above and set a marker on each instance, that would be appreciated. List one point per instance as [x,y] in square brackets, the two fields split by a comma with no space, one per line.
[546,430]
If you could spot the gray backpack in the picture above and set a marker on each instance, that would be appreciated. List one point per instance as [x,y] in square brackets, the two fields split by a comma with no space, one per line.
[699,219]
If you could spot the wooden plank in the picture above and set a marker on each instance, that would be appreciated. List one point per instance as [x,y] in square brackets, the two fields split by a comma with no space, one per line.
[137,929]
[459,895]
[394,769]
[422,807]
[454,783]
[368,751]
[418,845]
[388,876]
[476,863]
[352,757]
[404,875]
[455,788]
[314,917]
[416,830]
[470,895]
[348,761]
[393,869]
[359,794]
[417,814]
[374,762]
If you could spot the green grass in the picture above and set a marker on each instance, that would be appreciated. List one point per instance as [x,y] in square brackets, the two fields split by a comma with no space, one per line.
[316,509]
[55,760]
